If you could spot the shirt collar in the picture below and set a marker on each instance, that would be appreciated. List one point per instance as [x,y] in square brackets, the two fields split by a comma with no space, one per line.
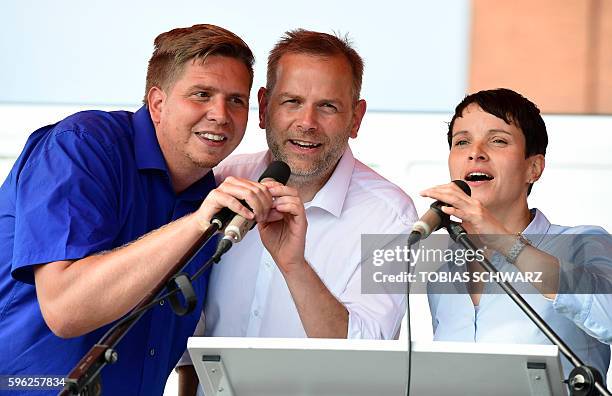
[332,195]
[146,147]
[200,189]
[149,156]
[537,228]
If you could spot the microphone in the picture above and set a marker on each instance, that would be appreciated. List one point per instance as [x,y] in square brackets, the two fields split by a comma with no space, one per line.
[434,218]
[238,226]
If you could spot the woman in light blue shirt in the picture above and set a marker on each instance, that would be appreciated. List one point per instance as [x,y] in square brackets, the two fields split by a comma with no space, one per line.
[497,142]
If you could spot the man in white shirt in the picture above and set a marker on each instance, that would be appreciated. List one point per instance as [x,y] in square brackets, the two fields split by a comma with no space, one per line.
[307,282]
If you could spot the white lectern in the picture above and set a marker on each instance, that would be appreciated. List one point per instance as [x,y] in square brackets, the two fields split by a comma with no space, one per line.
[324,367]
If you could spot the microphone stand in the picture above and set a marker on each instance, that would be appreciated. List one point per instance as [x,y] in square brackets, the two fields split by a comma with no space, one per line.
[583,380]
[84,378]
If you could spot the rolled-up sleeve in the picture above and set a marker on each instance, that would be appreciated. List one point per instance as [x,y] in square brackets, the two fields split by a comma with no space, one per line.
[585,285]
[378,315]
[372,316]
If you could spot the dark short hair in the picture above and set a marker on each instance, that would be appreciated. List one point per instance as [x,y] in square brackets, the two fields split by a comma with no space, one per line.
[175,48]
[307,42]
[513,108]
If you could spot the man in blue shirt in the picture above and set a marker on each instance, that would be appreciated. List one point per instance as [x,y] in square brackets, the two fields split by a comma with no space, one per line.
[99,206]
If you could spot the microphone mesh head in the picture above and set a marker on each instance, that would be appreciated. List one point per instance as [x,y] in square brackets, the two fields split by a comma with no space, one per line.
[277,170]
[464,186]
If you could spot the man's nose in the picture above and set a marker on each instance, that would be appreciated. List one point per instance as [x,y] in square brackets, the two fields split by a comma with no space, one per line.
[217,112]
[307,119]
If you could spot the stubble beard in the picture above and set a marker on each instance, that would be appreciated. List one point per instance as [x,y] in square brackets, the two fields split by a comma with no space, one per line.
[202,164]
[206,158]
[320,168]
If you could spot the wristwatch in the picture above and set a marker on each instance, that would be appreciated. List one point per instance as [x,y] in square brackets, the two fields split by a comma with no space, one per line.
[517,248]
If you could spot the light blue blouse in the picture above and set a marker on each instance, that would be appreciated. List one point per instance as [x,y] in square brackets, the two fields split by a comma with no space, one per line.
[581,314]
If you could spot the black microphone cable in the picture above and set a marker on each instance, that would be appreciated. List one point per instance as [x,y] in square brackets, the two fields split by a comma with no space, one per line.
[408,320]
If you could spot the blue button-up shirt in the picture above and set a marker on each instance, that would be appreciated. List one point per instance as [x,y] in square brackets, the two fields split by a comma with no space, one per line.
[90,183]
[582,320]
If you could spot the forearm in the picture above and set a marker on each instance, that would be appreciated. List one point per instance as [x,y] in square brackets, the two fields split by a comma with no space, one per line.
[533,260]
[187,381]
[78,297]
[322,315]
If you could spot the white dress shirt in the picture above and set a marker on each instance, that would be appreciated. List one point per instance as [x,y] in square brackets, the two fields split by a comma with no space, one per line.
[247,294]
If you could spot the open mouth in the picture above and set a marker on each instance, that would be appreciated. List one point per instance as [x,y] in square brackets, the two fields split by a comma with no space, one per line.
[304,145]
[478,176]
[211,136]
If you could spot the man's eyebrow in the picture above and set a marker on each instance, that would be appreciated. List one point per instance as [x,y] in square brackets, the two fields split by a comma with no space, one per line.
[331,100]
[239,95]
[289,95]
[296,96]
[209,88]
[204,87]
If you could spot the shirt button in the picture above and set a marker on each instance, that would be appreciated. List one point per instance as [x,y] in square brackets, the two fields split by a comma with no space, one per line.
[152,351]
[162,303]
[256,313]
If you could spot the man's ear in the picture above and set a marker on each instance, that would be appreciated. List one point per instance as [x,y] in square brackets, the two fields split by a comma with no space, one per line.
[536,167]
[262,100]
[155,101]
[359,112]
